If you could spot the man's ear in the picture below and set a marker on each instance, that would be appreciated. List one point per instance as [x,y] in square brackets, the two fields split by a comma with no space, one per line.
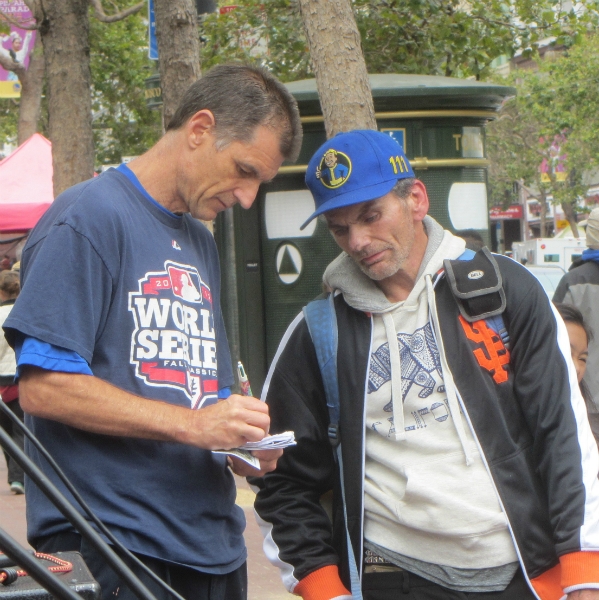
[200,126]
[420,203]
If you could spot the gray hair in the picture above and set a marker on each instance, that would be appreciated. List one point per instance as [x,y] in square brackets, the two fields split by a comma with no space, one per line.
[403,187]
[241,98]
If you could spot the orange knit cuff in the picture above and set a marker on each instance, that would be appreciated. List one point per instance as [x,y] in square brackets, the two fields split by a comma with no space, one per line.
[579,568]
[323,584]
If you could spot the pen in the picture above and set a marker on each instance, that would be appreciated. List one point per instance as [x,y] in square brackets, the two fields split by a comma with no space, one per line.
[244,383]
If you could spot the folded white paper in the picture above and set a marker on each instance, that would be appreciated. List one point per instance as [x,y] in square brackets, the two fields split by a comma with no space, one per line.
[271,442]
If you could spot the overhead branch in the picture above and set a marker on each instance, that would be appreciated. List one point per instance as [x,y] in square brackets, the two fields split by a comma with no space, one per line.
[12,65]
[104,18]
[526,143]
[497,22]
[35,6]
[26,25]
[512,26]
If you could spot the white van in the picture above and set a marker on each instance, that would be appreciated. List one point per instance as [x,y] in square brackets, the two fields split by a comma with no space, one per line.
[559,252]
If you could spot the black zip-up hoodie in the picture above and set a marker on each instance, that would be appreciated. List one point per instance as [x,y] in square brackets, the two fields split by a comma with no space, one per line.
[532,431]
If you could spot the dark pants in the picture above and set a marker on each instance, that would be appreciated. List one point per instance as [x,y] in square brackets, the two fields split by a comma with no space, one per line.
[15,473]
[402,585]
[191,584]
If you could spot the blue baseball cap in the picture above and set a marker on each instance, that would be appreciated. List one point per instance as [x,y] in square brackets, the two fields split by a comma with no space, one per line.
[355,167]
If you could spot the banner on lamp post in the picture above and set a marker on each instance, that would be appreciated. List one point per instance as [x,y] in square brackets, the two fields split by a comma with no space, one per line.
[16,44]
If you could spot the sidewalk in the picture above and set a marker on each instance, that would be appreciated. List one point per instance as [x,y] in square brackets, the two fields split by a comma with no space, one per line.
[264,580]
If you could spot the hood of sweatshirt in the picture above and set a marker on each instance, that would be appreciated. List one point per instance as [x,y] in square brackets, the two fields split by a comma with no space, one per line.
[362,293]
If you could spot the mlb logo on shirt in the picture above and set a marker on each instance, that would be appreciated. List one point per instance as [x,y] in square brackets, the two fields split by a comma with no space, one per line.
[185,284]
[175,245]
[173,343]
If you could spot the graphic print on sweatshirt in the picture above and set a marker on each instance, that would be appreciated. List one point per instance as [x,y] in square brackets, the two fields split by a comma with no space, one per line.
[174,344]
[421,382]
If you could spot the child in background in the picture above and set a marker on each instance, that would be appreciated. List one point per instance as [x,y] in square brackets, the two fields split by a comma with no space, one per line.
[580,335]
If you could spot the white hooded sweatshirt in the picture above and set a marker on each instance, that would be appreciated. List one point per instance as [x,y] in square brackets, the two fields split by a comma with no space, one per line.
[428,497]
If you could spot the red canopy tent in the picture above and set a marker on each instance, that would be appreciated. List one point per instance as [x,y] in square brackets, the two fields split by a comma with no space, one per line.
[26,185]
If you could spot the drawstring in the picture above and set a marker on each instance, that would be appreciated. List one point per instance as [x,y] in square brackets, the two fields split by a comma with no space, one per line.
[452,396]
[396,375]
[396,393]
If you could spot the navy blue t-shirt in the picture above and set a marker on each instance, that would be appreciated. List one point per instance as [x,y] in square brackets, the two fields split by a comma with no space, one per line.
[135,291]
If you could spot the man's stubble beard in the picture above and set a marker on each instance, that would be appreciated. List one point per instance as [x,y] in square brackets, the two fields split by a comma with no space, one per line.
[394,263]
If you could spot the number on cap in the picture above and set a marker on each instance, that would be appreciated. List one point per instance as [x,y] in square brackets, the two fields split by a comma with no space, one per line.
[399,164]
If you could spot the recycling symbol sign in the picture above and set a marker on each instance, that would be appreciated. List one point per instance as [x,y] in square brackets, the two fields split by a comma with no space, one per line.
[289,263]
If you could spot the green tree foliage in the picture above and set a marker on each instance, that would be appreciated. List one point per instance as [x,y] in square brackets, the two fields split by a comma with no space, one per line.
[123,125]
[9,116]
[439,37]
[558,103]
[235,35]
[434,37]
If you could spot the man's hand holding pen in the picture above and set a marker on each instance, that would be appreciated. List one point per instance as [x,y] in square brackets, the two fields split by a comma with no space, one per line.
[234,421]
[268,458]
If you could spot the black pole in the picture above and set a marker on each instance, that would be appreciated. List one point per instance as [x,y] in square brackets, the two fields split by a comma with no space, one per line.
[82,526]
[86,509]
[229,297]
[37,571]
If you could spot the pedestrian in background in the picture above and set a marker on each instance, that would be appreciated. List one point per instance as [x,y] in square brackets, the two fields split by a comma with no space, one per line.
[9,290]
[580,336]
[474,240]
[580,287]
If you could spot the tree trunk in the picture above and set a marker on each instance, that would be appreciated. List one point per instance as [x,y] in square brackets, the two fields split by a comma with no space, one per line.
[65,36]
[179,51]
[32,82]
[569,213]
[339,66]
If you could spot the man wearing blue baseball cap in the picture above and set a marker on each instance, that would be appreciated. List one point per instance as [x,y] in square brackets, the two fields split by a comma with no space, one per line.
[462,463]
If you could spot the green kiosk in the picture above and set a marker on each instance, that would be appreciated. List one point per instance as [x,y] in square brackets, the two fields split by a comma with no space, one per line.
[271,269]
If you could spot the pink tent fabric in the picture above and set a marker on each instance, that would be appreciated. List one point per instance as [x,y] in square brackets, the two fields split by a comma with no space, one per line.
[26,185]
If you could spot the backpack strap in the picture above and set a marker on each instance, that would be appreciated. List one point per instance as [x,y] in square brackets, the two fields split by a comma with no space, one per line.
[477,285]
[322,324]
[321,319]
